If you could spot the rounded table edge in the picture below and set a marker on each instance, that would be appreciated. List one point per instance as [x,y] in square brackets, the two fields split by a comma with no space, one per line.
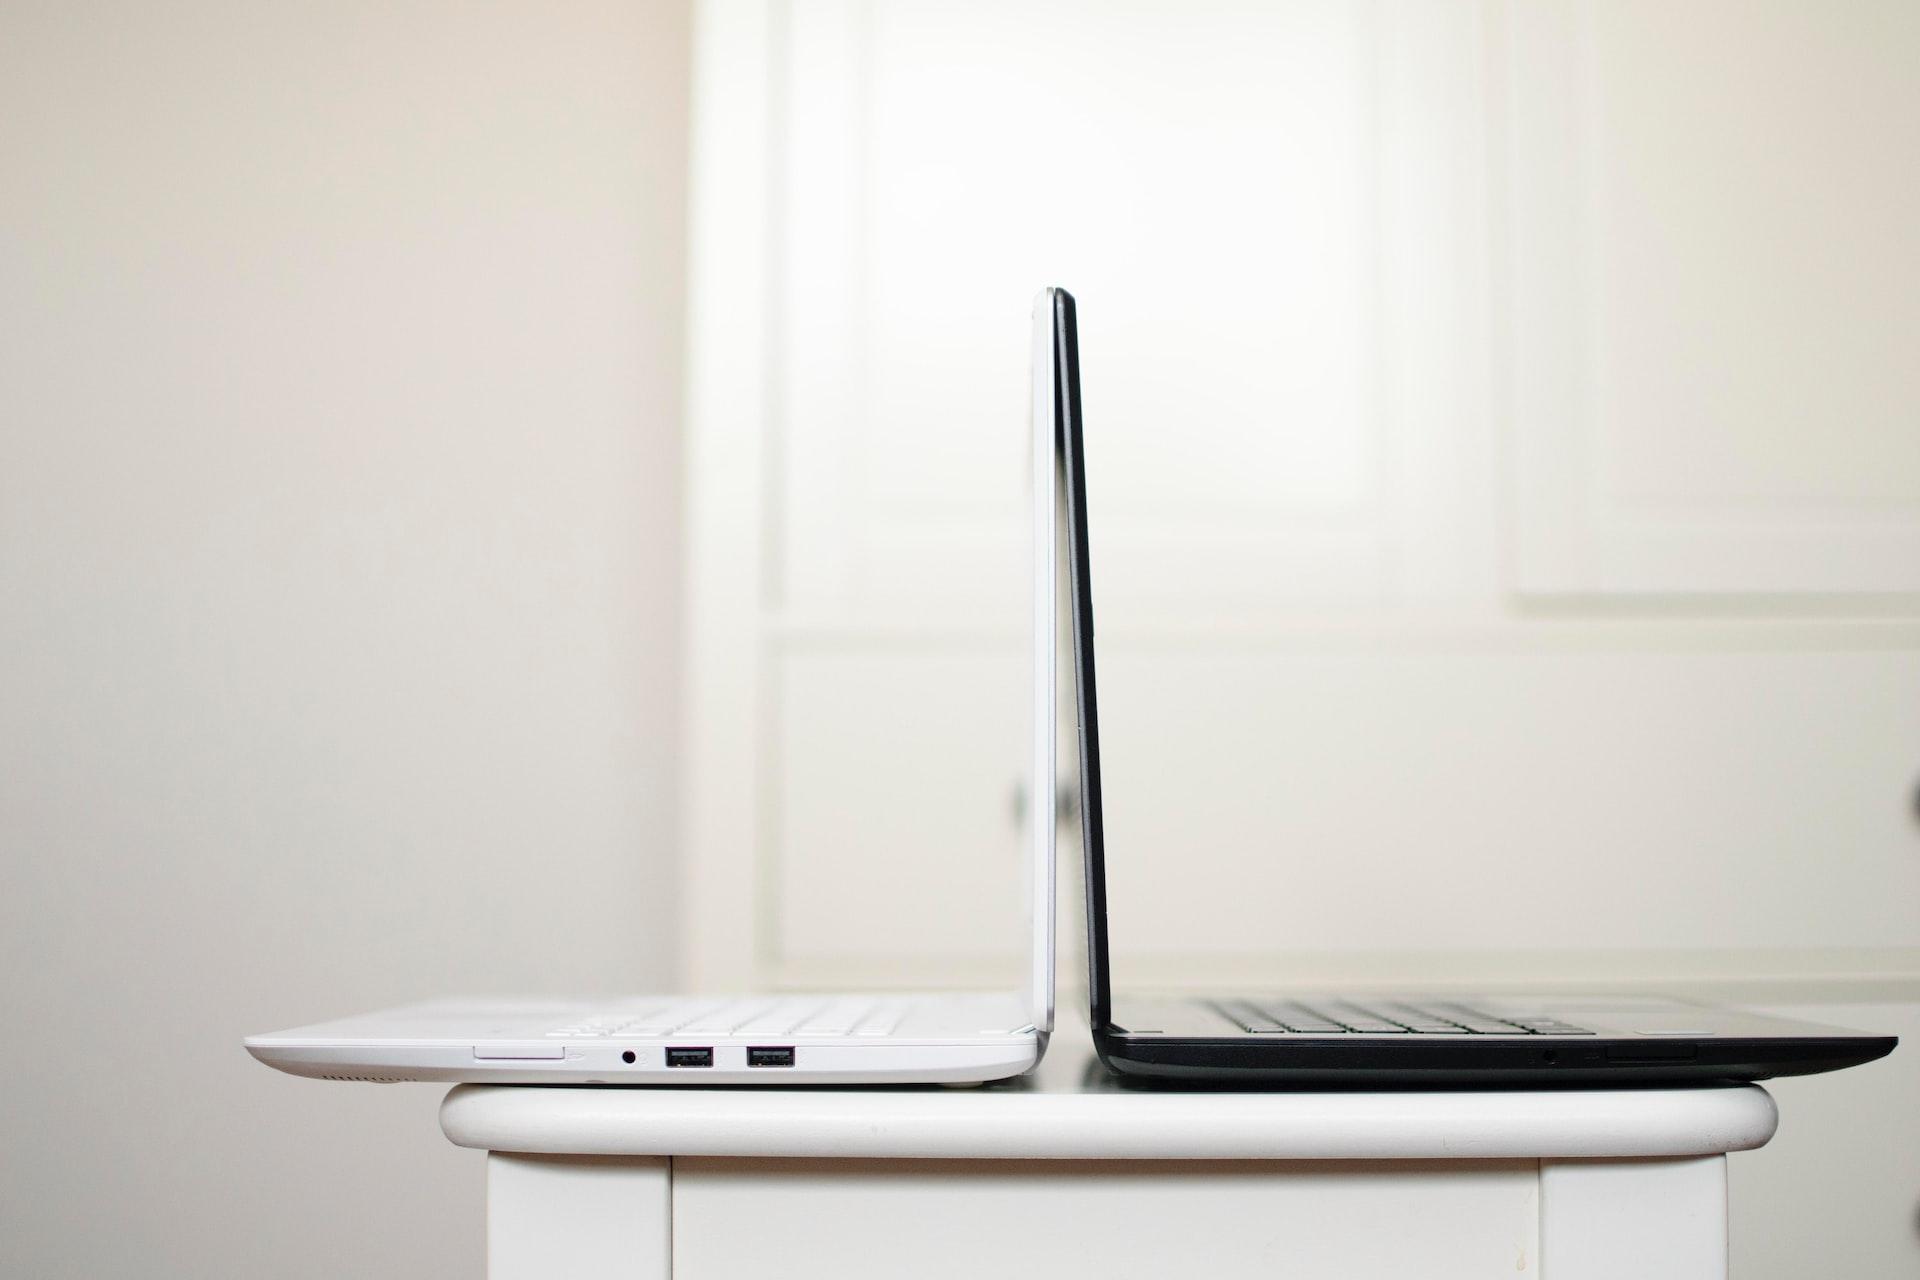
[945,1124]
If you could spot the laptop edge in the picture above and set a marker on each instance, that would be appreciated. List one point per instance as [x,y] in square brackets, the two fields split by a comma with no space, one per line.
[1625,1040]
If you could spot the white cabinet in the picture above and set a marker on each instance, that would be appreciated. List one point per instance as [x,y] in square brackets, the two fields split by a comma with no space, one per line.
[1325,249]
[1712,296]
[1508,800]
[1246,199]
[1425,345]
[1285,810]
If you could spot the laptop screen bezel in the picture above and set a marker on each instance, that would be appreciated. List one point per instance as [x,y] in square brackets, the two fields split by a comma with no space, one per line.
[1070,455]
[1042,817]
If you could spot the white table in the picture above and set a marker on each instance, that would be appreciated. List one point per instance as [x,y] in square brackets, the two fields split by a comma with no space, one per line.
[1068,1173]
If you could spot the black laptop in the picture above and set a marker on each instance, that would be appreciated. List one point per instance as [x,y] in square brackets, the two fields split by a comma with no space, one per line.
[1319,1040]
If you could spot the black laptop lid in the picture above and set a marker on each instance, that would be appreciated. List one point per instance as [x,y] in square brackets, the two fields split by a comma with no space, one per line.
[1072,458]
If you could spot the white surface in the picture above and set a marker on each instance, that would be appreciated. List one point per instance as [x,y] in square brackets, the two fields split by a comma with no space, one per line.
[1648,1219]
[609,1219]
[339,581]
[1065,1111]
[1071,1175]
[1067,1173]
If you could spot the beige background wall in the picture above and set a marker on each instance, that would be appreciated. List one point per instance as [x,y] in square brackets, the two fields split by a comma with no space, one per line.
[339,365]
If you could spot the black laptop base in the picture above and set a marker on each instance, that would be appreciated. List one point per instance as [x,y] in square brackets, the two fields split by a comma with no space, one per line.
[1397,1064]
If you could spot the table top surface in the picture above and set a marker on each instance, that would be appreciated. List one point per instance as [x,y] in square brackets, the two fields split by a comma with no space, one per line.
[1071,1108]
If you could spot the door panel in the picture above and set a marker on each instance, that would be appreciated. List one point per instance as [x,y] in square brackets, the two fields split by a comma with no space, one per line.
[1714,296]
[1364,796]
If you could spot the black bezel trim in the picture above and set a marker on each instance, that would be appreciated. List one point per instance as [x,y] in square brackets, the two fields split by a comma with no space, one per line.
[1072,454]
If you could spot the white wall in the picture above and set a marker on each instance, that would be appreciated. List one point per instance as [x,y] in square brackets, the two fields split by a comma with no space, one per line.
[339,368]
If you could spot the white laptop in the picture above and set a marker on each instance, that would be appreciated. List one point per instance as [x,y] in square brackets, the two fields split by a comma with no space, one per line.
[874,1038]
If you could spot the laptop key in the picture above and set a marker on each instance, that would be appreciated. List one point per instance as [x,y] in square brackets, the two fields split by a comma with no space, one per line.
[1247,1017]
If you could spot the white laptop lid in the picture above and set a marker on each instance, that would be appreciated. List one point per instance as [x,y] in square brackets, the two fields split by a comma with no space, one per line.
[1042,802]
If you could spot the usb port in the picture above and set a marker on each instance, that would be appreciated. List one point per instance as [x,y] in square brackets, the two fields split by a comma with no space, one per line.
[767,1056]
[689,1057]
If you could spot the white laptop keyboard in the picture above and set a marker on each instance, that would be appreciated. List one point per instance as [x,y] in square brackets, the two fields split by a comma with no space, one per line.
[787,1016]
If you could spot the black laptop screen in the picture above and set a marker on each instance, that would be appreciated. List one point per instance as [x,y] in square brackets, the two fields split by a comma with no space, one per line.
[1079,573]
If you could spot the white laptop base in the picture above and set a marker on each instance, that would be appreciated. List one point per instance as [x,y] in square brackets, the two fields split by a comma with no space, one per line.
[813,1039]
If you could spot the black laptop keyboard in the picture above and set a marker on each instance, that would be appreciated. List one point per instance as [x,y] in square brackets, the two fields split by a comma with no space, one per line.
[1342,1017]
